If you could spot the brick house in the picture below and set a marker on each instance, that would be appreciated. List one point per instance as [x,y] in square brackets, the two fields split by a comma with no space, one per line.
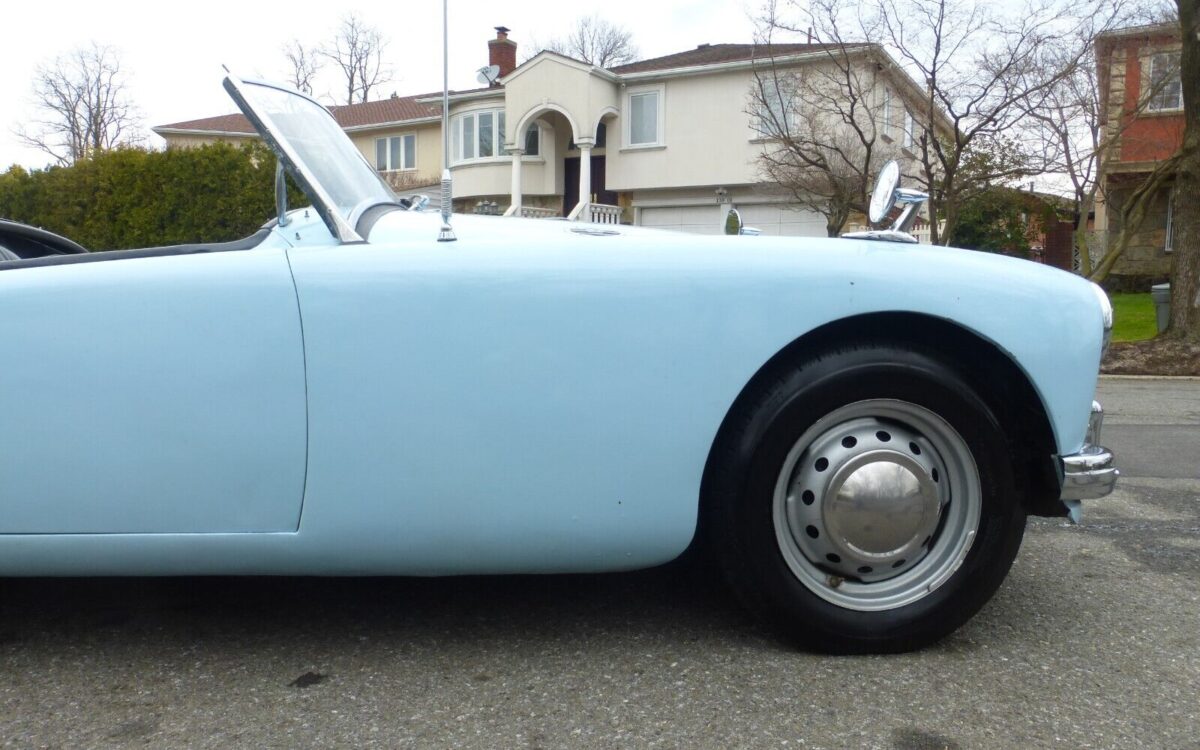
[1141,104]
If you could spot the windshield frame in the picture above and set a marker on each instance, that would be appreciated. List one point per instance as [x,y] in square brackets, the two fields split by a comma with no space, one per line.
[341,227]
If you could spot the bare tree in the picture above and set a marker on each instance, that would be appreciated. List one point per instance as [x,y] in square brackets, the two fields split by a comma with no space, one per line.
[826,124]
[1185,279]
[1077,136]
[357,52]
[594,41]
[304,64]
[983,72]
[83,104]
[971,66]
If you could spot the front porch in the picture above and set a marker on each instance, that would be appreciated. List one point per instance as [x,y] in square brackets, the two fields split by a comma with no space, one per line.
[581,167]
[541,158]
[595,213]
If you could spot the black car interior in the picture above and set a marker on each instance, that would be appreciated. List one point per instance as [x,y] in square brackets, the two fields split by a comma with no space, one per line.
[23,246]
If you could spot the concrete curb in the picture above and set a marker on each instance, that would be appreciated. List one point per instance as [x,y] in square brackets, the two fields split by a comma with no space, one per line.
[1105,376]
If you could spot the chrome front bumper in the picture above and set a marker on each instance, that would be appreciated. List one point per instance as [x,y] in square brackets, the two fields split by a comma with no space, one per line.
[1090,473]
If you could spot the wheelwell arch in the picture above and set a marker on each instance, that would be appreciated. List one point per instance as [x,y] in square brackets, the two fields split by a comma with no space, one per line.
[1002,384]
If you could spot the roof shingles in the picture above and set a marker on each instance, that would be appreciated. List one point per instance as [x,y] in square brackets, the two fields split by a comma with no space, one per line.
[365,114]
[712,54]
[406,108]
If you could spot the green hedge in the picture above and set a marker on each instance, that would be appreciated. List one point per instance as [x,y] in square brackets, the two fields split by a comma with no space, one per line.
[132,197]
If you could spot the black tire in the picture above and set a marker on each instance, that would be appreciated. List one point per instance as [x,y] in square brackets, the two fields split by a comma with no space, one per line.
[743,500]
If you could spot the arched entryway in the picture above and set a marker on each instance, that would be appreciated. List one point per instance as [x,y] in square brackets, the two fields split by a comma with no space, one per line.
[578,161]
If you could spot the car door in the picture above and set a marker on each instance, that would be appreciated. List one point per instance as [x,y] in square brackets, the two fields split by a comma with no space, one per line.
[152,395]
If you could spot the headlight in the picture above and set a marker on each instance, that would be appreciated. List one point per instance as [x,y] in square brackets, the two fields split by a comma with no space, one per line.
[1106,312]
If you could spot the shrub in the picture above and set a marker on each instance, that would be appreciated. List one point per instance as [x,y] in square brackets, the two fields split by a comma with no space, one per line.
[132,197]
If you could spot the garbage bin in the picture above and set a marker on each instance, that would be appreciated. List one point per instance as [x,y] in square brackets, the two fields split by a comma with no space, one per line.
[1161,294]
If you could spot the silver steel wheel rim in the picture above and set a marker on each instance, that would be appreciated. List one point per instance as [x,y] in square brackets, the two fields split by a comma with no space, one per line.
[877,504]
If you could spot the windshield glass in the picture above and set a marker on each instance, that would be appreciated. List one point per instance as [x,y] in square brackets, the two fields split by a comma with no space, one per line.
[319,149]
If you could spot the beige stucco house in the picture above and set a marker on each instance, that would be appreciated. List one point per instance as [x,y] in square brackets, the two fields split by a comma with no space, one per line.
[667,142]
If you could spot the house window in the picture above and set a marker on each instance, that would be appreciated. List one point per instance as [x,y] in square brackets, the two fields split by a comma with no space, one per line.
[645,108]
[396,152]
[477,135]
[533,140]
[1164,85]
[908,129]
[885,113]
[773,106]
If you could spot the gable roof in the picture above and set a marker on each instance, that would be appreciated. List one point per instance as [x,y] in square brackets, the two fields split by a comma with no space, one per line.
[711,54]
[399,109]
[364,114]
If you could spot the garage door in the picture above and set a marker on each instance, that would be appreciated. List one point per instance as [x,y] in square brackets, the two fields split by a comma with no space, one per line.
[770,218]
[692,219]
[776,219]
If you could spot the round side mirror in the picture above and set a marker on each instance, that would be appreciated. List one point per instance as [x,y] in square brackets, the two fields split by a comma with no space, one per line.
[884,195]
[733,222]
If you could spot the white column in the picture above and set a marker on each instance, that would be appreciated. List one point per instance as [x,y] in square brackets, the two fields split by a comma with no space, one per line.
[585,180]
[516,179]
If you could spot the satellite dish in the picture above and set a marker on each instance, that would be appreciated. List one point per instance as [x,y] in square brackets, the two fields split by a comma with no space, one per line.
[488,74]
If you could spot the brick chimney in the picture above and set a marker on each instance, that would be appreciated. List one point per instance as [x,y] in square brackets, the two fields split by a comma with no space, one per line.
[502,52]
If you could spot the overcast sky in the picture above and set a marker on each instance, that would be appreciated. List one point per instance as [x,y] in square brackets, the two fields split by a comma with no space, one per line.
[173,53]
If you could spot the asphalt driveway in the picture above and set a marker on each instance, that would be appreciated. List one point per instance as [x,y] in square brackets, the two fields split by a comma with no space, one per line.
[1094,641]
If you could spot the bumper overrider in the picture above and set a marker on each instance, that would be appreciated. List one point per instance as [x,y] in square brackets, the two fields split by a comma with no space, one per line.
[1090,473]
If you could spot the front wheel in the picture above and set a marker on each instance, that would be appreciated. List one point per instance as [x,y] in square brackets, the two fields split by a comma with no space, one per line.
[866,500]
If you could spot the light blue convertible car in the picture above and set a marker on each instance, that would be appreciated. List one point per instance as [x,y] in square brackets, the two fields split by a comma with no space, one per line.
[856,429]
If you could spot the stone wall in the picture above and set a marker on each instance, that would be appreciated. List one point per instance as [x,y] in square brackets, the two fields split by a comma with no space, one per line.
[1145,260]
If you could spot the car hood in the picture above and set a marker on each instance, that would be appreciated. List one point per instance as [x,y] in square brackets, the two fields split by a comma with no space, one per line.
[549,239]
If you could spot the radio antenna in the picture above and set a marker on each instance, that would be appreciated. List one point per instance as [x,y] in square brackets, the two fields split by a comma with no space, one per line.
[447,232]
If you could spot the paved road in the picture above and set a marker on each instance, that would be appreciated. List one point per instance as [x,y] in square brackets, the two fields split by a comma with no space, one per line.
[1093,642]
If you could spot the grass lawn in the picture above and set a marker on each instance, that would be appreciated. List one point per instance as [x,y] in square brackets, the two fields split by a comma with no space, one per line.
[1133,317]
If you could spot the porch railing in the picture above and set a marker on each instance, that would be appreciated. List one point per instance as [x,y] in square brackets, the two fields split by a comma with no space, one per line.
[531,212]
[596,213]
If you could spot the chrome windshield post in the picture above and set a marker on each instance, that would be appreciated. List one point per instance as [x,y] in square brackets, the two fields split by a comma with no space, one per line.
[281,206]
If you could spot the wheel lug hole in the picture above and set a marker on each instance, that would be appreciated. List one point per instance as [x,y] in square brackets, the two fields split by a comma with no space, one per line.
[812,531]
[821,464]
[849,441]
[833,558]
[865,569]
[898,563]
[883,436]
[934,474]
[916,449]
[807,497]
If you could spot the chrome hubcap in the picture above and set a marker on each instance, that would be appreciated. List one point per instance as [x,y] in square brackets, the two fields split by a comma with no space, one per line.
[879,510]
[877,504]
